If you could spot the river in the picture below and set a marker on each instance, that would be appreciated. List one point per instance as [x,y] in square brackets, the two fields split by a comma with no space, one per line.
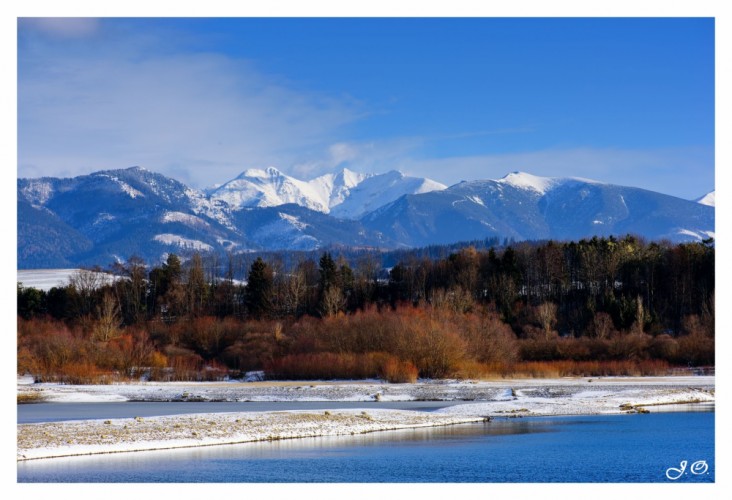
[57,412]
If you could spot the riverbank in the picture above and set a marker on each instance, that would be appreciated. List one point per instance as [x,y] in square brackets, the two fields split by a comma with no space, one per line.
[500,398]
[184,431]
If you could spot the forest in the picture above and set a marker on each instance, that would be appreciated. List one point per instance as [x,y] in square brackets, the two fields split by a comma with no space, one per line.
[595,307]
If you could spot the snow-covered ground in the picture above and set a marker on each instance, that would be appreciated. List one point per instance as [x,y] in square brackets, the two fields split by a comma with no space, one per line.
[517,397]
[45,279]
[183,431]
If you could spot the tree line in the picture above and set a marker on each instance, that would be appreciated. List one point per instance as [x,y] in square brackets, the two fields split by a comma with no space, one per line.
[596,306]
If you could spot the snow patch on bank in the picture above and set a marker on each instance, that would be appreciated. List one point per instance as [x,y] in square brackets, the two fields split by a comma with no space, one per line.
[428,390]
[184,431]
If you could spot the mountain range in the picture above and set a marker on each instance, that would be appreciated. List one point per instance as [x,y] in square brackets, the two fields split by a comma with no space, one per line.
[344,194]
[108,216]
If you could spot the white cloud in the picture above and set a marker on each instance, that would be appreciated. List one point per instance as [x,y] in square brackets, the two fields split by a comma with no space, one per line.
[205,113]
[342,152]
[203,118]
[61,27]
[373,156]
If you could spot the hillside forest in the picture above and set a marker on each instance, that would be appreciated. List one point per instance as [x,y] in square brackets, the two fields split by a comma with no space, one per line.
[602,306]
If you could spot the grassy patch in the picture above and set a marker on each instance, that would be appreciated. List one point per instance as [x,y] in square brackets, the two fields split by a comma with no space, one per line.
[30,397]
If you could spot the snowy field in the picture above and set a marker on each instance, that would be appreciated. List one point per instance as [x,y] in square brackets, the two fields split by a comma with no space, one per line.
[45,279]
[501,398]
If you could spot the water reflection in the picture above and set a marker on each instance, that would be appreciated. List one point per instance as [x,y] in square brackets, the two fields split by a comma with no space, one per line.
[301,448]
[503,450]
[684,408]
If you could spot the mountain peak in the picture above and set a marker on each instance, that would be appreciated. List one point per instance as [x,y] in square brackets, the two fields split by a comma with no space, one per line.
[128,211]
[396,174]
[350,178]
[708,199]
[351,193]
[525,180]
[346,171]
[260,173]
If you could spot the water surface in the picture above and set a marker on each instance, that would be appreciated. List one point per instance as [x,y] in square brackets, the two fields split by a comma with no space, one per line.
[56,412]
[617,448]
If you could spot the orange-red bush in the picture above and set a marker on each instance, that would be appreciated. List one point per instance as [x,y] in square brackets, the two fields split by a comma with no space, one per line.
[396,371]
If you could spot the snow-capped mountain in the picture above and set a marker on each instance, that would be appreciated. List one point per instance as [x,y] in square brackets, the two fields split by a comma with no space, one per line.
[336,188]
[708,199]
[526,207]
[112,215]
[344,194]
[268,188]
[378,190]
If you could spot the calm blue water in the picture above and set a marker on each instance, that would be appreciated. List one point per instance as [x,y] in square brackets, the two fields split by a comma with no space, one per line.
[56,412]
[619,448]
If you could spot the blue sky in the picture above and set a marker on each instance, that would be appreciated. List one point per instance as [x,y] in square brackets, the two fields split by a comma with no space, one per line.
[622,100]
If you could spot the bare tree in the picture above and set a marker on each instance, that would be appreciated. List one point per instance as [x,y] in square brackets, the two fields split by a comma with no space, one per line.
[86,282]
[456,299]
[603,325]
[108,321]
[333,301]
[546,315]
[292,291]
[640,316]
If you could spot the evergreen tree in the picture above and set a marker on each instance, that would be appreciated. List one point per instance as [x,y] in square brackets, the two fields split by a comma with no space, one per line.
[196,289]
[31,302]
[259,289]
[328,272]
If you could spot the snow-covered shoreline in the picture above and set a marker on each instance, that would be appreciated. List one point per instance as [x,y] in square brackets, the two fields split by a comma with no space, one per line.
[88,437]
[518,397]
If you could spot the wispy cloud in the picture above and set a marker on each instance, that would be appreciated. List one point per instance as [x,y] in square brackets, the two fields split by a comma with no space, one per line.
[61,27]
[363,156]
[93,94]
[131,106]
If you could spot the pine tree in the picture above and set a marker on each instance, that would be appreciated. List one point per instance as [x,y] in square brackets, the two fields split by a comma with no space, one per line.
[259,289]
[328,272]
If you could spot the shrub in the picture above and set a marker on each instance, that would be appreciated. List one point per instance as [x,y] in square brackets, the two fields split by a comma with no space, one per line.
[663,347]
[538,350]
[489,340]
[82,372]
[395,370]
[547,369]
[629,347]
[323,365]
[470,369]
[696,350]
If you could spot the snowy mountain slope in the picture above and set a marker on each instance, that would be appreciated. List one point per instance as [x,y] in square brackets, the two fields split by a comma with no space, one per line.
[108,216]
[115,214]
[334,189]
[344,194]
[708,199]
[378,190]
[268,188]
[527,207]
[292,227]
[44,240]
